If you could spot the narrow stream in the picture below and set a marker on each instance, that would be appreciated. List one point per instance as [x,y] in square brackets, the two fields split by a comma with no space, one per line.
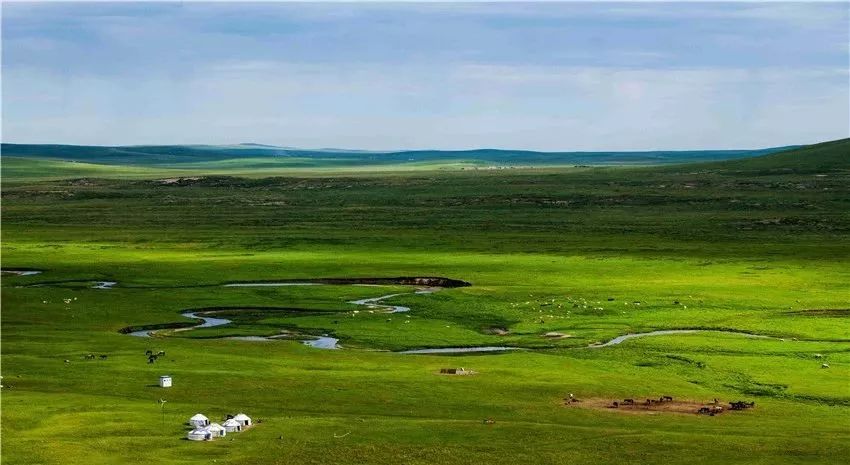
[460,350]
[208,322]
[21,272]
[374,303]
[619,339]
[318,342]
[269,284]
[327,342]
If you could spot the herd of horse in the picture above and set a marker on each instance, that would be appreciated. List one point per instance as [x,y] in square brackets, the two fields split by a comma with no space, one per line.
[713,408]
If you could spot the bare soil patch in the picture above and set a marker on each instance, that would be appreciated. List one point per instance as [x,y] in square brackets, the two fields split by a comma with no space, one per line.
[640,406]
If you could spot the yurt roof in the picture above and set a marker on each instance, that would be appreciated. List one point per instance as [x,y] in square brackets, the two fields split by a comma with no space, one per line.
[199,416]
[232,422]
[199,431]
[213,426]
[241,417]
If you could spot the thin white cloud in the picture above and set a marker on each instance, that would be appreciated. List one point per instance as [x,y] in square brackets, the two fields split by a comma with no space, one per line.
[379,107]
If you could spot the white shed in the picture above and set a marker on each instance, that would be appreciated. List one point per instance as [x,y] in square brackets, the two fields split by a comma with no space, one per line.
[199,421]
[245,420]
[165,381]
[232,426]
[216,430]
[199,434]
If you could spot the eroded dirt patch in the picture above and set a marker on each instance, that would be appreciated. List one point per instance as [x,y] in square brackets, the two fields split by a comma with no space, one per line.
[655,407]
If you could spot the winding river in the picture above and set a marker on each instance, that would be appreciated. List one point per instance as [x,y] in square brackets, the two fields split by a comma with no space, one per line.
[426,286]
[319,342]
[620,339]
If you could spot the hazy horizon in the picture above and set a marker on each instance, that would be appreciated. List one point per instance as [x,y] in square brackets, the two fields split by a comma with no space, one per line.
[419,149]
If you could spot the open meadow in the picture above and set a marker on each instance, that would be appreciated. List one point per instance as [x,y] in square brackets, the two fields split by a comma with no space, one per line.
[748,258]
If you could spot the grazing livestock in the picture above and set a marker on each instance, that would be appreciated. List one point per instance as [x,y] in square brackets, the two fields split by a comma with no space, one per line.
[615,404]
[628,402]
[152,359]
[161,353]
[741,405]
[824,365]
[103,357]
[667,398]
[148,352]
[711,411]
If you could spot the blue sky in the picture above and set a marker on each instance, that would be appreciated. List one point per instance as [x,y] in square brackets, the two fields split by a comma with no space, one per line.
[545,76]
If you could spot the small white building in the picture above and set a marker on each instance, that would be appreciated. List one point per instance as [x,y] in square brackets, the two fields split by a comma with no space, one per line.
[243,419]
[216,430]
[232,426]
[165,381]
[199,421]
[199,434]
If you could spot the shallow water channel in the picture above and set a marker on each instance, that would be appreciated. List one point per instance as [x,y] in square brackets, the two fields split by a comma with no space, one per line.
[21,272]
[318,342]
[374,303]
[664,332]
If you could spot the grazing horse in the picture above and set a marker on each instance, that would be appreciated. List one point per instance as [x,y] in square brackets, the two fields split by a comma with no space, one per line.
[628,402]
[741,405]
[103,357]
[152,359]
[668,398]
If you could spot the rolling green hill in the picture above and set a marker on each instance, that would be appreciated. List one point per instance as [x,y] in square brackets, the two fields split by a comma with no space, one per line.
[823,157]
[173,155]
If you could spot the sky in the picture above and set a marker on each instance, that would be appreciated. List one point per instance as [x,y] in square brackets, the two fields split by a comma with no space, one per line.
[386,76]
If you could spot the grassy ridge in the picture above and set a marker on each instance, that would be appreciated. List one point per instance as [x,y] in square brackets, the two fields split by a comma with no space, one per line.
[751,246]
[171,155]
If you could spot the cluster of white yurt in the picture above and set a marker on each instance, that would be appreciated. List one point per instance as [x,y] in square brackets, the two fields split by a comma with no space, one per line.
[203,430]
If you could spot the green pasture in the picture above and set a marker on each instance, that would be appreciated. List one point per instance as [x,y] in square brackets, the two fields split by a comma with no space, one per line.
[759,248]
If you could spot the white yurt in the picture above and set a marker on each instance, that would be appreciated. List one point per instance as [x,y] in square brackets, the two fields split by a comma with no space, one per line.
[245,420]
[232,426]
[199,421]
[216,430]
[165,381]
[200,434]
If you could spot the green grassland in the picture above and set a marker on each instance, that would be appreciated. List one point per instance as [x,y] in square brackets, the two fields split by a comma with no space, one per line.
[758,246]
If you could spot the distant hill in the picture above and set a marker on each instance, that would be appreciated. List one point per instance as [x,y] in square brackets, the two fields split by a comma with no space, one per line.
[816,158]
[175,155]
